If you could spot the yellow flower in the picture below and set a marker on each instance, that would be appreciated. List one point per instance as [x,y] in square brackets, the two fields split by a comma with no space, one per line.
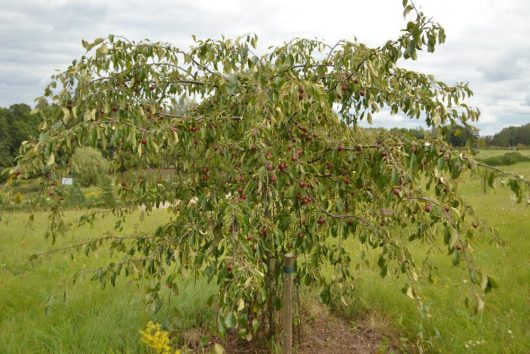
[156,339]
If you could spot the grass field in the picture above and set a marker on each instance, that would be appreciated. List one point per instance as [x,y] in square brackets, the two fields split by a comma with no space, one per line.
[504,326]
[37,317]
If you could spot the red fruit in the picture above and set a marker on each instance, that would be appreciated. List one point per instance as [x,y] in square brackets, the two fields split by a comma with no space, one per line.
[243,197]
[355,81]
[447,209]
[253,148]
[396,191]
[358,148]
[114,109]
[263,232]
[174,129]
[205,170]
[345,87]
[17,173]
[301,89]
[294,158]
[459,247]
[428,207]
[144,141]
[347,180]
[282,166]
[362,93]
[301,234]
[302,184]
[152,87]
[269,166]
[268,155]
[321,221]
[274,178]
[240,190]
[475,224]
[229,267]
[341,147]
[307,200]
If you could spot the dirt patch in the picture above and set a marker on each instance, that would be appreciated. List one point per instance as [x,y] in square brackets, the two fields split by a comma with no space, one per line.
[323,332]
[335,335]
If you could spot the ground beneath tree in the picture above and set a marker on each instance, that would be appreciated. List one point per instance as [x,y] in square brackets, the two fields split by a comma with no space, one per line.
[336,335]
[323,332]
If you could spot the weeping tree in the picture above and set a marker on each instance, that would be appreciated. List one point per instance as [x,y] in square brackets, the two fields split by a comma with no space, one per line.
[270,160]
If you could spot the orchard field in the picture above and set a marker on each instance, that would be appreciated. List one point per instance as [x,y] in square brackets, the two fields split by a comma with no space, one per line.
[42,311]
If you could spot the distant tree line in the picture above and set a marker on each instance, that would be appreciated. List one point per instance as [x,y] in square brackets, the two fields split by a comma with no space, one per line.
[16,125]
[510,137]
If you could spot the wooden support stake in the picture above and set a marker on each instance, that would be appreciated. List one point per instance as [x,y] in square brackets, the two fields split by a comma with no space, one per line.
[287,315]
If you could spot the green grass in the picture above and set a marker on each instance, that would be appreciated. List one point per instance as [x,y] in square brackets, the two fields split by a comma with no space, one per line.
[95,320]
[41,311]
[504,327]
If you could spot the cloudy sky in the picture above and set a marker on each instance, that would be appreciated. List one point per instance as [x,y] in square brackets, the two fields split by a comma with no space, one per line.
[488,42]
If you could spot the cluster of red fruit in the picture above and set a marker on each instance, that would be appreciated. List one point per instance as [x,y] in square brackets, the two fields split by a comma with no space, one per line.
[242,196]
[301,92]
[307,135]
[205,173]
[296,154]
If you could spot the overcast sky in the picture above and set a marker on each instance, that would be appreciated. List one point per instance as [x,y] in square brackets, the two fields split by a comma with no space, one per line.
[488,42]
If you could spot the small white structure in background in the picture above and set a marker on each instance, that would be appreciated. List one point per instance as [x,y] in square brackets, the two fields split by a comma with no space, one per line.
[67,181]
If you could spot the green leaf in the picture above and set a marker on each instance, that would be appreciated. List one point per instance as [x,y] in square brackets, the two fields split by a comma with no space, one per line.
[406,11]
[240,305]
[203,342]
[230,321]
[51,160]
[217,349]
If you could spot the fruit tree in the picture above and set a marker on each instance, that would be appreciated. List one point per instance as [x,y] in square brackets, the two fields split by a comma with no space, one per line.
[270,160]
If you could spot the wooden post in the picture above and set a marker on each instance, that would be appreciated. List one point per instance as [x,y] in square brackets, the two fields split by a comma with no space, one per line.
[287,315]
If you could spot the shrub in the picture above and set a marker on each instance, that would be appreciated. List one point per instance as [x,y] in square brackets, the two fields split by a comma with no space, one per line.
[509,158]
[89,166]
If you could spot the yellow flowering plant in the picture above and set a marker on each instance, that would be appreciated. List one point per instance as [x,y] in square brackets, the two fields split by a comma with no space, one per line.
[157,339]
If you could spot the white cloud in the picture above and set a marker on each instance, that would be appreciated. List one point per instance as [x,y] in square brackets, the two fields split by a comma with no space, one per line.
[487,44]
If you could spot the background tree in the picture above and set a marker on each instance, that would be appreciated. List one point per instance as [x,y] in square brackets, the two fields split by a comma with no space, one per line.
[462,136]
[269,161]
[512,136]
[89,167]
[16,126]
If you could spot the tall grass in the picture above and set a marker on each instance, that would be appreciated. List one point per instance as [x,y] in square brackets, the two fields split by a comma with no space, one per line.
[42,311]
[504,327]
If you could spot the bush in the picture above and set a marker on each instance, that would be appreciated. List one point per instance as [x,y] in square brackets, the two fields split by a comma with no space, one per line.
[89,166]
[509,158]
